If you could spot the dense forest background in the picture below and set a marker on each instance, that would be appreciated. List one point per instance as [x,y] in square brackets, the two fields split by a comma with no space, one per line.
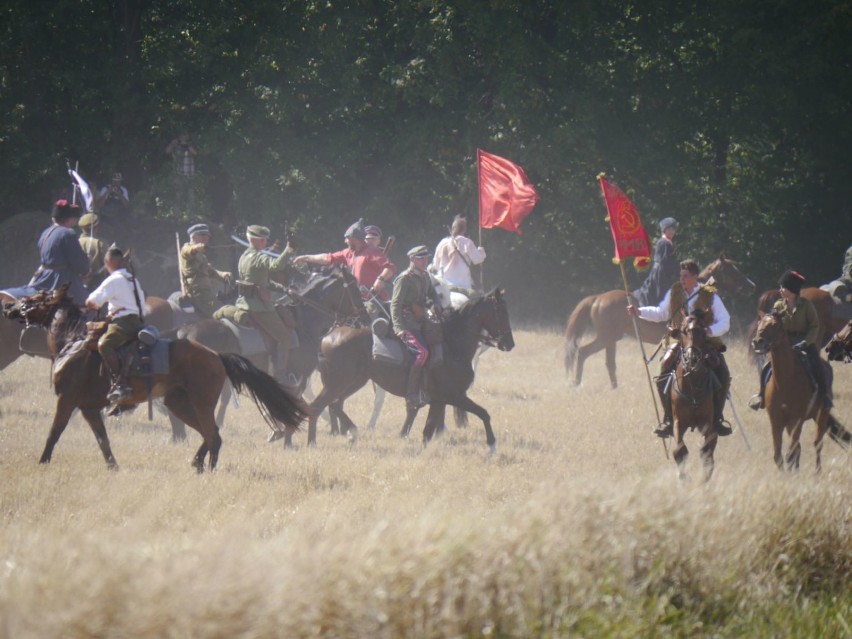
[730,115]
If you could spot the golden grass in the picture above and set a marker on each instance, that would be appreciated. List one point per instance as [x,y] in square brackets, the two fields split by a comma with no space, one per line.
[577,526]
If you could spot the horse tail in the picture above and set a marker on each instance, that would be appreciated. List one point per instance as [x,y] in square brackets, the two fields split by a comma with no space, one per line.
[461,417]
[578,323]
[274,402]
[838,433]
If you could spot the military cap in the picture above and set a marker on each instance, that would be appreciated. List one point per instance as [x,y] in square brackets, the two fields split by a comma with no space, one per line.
[356,230]
[257,231]
[372,230]
[792,281]
[198,229]
[419,251]
[667,222]
[89,219]
[63,210]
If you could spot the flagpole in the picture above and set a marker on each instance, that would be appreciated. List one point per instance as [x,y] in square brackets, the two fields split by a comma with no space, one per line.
[642,351]
[479,208]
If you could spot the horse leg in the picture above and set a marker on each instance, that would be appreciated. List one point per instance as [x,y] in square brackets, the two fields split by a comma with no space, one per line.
[178,429]
[178,402]
[471,406]
[610,364]
[583,352]
[794,453]
[410,415]
[680,452]
[822,427]
[378,402]
[348,427]
[434,421]
[96,423]
[708,449]
[224,399]
[64,408]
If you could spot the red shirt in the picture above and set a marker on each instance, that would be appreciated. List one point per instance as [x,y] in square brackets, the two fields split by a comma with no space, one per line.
[366,266]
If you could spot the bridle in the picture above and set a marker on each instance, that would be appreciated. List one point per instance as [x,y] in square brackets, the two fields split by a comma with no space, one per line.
[347,296]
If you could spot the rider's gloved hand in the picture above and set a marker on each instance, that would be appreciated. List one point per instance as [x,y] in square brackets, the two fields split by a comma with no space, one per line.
[801,346]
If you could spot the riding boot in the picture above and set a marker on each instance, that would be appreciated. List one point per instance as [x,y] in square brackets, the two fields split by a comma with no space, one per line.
[819,376]
[756,402]
[720,394]
[118,370]
[414,395]
[666,429]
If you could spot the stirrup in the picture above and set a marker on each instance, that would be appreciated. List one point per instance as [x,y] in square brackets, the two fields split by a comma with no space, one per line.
[755,402]
[664,430]
[118,393]
[723,428]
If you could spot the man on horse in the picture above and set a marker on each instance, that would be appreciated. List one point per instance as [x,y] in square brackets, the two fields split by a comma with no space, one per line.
[664,271]
[684,297]
[411,295]
[370,266]
[123,296]
[801,322]
[255,297]
[197,273]
[62,259]
[454,257]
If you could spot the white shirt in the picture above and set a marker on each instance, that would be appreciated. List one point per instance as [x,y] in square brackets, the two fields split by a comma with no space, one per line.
[721,317]
[449,260]
[117,291]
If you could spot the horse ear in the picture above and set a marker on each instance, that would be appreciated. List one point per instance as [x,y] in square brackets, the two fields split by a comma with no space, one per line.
[722,256]
[127,255]
[62,291]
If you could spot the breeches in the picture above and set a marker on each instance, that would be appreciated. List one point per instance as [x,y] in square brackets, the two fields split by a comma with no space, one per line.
[204,303]
[119,332]
[415,343]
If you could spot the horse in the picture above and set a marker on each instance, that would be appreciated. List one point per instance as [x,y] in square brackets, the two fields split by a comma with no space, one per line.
[346,364]
[190,389]
[605,314]
[691,388]
[839,347]
[790,400]
[823,303]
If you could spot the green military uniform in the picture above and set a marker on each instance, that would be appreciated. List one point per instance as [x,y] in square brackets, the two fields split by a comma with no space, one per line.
[411,292]
[846,276]
[258,299]
[198,277]
[802,323]
[95,248]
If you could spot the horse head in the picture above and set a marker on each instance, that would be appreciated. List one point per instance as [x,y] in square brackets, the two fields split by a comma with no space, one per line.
[769,333]
[38,309]
[839,347]
[725,275]
[694,335]
[495,319]
[333,290]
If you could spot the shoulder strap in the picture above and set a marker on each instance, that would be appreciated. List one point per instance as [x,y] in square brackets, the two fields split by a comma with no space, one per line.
[463,256]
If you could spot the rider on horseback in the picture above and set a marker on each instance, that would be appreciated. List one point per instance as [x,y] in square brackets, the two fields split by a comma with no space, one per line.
[801,322]
[680,300]
[370,266]
[411,294]
[254,287]
[454,257]
[123,296]
[197,273]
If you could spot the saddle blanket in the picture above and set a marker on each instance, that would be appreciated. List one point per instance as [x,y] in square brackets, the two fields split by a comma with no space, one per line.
[251,339]
[153,360]
[181,315]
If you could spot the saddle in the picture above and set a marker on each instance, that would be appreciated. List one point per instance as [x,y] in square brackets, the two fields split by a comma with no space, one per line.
[389,349]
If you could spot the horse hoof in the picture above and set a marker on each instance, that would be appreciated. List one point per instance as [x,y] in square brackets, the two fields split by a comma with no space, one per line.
[492,449]
[274,436]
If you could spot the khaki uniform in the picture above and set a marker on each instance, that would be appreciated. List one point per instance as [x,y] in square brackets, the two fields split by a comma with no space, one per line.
[411,292]
[257,295]
[802,323]
[95,248]
[198,277]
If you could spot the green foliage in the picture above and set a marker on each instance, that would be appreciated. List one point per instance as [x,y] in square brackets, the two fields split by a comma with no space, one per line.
[732,116]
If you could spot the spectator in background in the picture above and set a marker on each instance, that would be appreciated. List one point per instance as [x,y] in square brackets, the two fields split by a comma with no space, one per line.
[183,154]
[113,199]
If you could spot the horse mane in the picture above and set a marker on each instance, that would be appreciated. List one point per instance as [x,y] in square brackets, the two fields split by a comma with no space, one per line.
[456,321]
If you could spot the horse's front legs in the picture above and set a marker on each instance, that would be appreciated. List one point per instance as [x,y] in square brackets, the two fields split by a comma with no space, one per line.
[96,423]
[794,453]
[64,408]
[410,415]
[680,452]
[708,449]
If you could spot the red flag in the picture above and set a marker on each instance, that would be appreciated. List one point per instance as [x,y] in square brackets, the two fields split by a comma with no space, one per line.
[506,196]
[629,235]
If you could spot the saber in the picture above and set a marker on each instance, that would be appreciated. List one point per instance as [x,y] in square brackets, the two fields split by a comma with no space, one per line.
[737,419]
[389,244]
[243,242]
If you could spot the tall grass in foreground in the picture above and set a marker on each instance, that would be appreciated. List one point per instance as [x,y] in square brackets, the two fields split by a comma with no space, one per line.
[576,527]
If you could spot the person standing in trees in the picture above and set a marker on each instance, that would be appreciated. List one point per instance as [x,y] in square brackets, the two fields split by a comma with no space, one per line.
[664,271]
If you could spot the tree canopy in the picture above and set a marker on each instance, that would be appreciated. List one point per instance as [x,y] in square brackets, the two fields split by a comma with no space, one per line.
[732,117]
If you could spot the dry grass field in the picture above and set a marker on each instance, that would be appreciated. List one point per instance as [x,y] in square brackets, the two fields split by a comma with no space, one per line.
[577,526]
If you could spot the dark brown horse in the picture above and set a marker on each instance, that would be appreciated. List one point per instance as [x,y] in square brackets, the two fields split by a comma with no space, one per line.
[346,364]
[691,389]
[790,399]
[190,389]
[839,347]
[822,301]
[606,315]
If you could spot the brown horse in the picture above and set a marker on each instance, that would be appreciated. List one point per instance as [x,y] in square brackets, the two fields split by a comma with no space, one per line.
[606,315]
[190,389]
[691,389]
[822,301]
[346,364]
[839,347]
[790,400]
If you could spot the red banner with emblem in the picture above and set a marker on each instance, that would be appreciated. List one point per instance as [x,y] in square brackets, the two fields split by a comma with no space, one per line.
[630,237]
[506,195]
